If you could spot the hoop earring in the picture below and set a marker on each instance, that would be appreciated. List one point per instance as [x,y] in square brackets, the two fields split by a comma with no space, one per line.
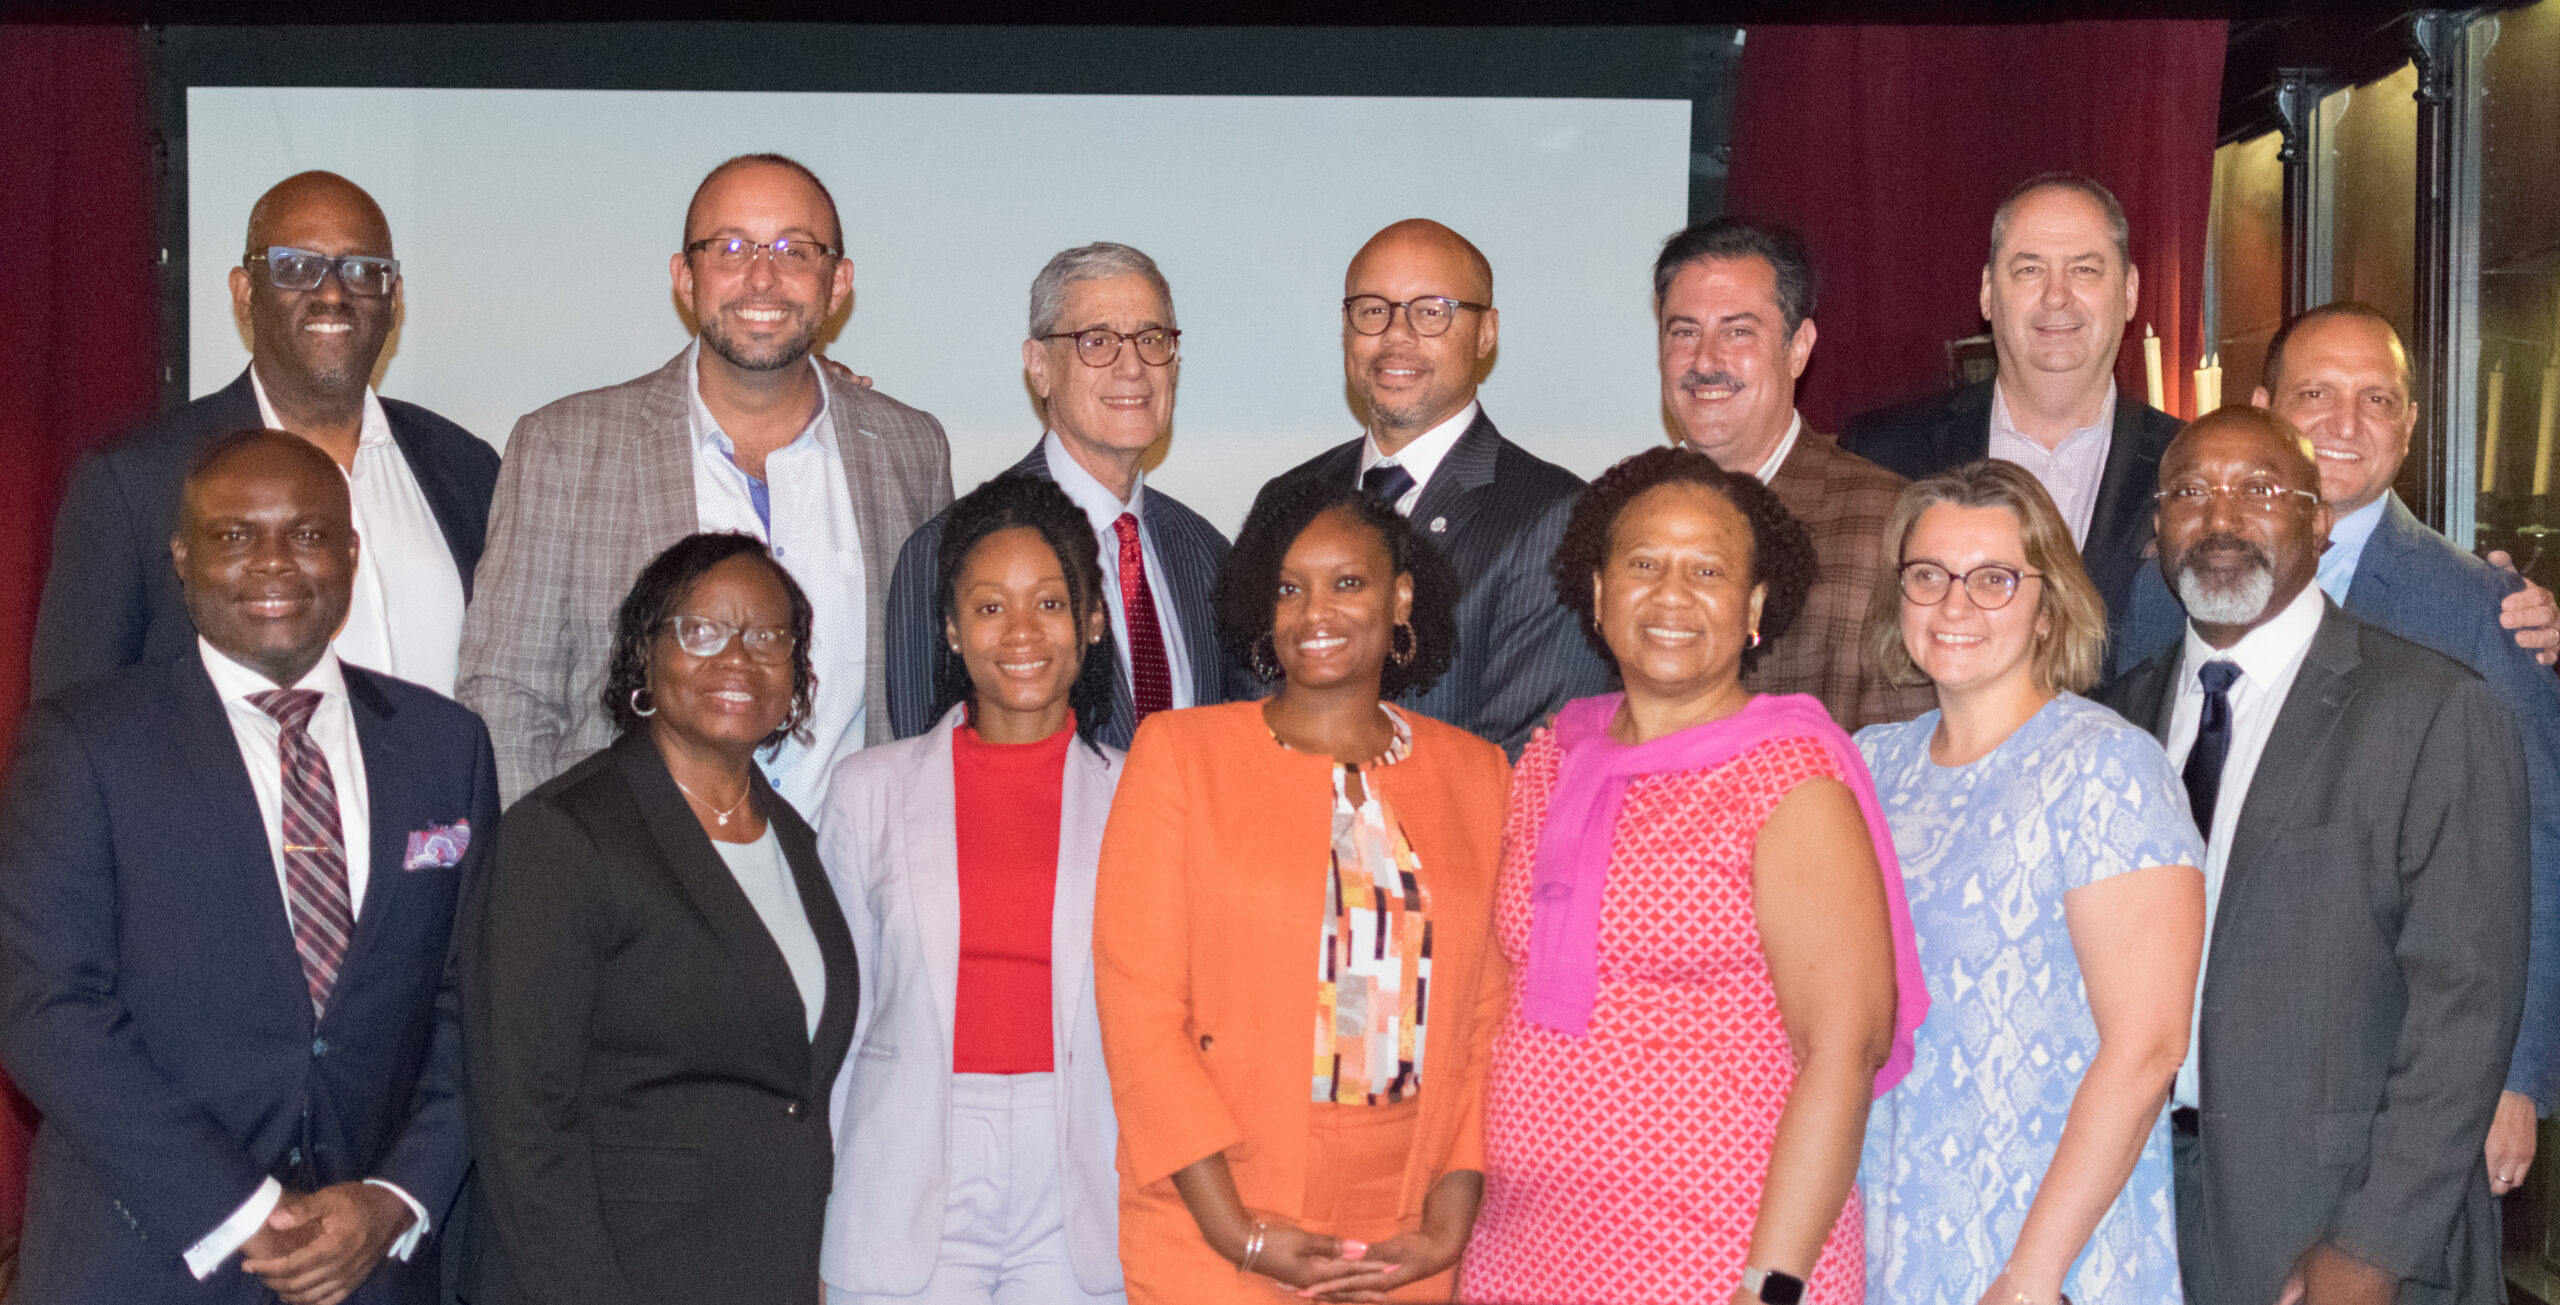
[637,709]
[1263,657]
[1401,648]
[1755,640]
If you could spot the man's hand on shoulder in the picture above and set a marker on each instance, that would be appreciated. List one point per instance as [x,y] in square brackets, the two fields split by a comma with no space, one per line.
[844,373]
[343,1232]
[2530,612]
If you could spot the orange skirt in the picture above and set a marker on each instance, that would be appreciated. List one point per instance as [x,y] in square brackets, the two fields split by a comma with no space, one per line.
[1355,1171]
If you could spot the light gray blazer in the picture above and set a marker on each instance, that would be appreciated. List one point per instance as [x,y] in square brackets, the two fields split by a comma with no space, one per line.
[892,851]
[596,485]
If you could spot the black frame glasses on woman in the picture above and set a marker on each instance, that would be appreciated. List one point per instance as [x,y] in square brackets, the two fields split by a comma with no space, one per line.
[702,637]
[289,268]
[1990,585]
[1428,315]
[1100,346]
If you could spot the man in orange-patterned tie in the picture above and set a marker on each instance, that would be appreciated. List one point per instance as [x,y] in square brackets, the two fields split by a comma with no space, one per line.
[227,892]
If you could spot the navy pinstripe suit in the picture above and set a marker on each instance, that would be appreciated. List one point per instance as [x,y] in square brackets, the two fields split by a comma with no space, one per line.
[1185,543]
[1496,511]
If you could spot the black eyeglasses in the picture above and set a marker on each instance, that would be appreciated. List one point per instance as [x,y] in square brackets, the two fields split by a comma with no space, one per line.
[733,253]
[1989,585]
[1100,347]
[703,637]
[1429,315]
[289,268]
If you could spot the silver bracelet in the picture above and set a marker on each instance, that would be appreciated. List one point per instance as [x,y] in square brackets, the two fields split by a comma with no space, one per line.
[1253,1246]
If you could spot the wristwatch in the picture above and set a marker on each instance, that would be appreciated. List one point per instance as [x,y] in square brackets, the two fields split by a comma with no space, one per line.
[1771,1287]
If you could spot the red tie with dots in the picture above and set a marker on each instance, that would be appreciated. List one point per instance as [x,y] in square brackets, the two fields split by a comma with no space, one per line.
[1150,674]
[315,854]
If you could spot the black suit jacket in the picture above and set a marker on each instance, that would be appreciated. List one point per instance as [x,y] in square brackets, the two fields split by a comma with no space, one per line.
[1948,430]
[1496,511]
[155,1008]
[111,596]
[1189,547]
[2364,976]
[649,1112]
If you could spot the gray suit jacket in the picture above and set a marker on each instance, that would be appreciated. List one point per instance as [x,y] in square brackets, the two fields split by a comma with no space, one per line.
[596,485]
[2364,975]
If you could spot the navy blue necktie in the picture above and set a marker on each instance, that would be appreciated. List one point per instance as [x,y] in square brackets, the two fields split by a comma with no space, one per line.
[1388,481]
[2213,743]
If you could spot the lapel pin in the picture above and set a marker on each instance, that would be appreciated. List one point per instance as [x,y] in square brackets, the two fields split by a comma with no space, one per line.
[1439,524]
[868,434]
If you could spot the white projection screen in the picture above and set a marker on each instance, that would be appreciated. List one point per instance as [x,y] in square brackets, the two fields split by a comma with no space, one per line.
[534,227]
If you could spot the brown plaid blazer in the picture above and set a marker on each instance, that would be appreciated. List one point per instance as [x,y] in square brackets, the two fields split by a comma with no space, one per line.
[593,487]
[1843,500]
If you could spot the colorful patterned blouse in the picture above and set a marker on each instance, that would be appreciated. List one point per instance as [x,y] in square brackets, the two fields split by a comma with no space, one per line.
[1374,959]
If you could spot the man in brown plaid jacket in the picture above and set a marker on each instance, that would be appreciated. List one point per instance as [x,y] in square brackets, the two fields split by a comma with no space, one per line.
[1735,304]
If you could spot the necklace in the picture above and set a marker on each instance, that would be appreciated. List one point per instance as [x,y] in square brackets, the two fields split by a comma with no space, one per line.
[723,816]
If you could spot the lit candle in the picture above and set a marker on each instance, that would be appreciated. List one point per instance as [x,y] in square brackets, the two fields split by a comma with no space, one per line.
[2542,437]
[2209,384]
[2491,413]
[2151,368]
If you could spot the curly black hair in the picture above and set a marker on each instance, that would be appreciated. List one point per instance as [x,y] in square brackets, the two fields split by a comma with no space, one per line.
[1249,581]
[652,602]
[1781,548]
[1025,502]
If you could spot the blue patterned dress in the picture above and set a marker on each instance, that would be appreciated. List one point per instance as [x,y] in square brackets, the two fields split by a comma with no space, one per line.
[1955,1153]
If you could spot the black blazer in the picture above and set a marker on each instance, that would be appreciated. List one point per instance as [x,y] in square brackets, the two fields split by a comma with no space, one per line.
[2365,973]
[1496,511]
[1189,547]
[1948,430]
[155,1008]
[111,596]
[649,1113]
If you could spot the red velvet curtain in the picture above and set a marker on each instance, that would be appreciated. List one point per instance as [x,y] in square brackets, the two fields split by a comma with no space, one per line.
[79,332]
[1888,147]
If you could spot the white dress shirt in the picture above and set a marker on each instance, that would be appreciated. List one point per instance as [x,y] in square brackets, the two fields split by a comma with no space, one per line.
[1101,508]
[2268,657]
[1786,445]
[2070,470]
[260,738]
[764,875]
[1421,457]
[405,617]
[814,537]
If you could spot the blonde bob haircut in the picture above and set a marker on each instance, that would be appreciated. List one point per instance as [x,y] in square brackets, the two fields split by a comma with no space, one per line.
[2073,632]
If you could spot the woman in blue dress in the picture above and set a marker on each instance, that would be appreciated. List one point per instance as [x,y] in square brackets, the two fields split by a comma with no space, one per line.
[2052,872]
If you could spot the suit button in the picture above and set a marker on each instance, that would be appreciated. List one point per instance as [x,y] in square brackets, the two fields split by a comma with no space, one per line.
[319,1046]
[793,1110]
[1205,1040]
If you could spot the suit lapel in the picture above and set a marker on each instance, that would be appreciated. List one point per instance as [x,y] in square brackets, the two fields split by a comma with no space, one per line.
[1083,807]
[2299,742]
[1467,468]
[705,877]
[437,485]
[1964,430]
[391,806]
[662,471]
[842,1002]
[218,782]
[2123,506]
[2372,589]
[933,891]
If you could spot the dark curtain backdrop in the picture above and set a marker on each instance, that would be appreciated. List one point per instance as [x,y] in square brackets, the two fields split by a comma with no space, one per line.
[79,332]
[1888,147]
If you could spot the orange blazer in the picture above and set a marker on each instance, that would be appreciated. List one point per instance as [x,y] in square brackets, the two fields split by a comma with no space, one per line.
[1206,920]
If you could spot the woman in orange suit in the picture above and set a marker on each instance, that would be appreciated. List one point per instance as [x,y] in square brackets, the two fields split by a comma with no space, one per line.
[1293,948]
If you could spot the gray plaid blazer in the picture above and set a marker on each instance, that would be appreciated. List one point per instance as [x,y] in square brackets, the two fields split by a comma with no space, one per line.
[592,488]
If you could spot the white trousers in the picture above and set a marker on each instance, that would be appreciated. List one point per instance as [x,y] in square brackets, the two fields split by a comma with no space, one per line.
[1004,1228]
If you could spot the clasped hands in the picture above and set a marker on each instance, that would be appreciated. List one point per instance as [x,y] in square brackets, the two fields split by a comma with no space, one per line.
[319,1246]
[1338,1269]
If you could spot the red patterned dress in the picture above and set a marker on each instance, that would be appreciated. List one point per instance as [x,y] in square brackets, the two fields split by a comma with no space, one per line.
[1625,1167]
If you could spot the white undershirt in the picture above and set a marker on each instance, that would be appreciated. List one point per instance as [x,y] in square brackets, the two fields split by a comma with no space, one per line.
[260,739]
[1101,509]
[764,875]
[1778,456]
[1421,457]
[2269,657]
[404,617]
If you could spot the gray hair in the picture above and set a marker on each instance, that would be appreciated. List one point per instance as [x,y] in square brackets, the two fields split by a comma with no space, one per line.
[1099,261]
[2079,185]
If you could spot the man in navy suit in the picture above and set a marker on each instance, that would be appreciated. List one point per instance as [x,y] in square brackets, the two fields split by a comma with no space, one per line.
[1418,329]
[2339,373]
[1103,355]
[321,293]
[227,892]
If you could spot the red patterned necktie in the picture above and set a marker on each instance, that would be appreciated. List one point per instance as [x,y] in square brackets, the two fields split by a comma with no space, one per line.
[1150,674]
[315,853]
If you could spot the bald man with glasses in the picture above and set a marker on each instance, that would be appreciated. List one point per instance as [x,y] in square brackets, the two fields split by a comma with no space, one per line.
[320,290]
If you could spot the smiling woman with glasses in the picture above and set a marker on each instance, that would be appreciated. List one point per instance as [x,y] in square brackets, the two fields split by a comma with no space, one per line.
[660,984]
[2039,834]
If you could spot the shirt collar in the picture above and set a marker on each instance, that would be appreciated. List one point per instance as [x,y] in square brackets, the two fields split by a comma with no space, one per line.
[1423,456]
[2262,653]
[2347,534]
[1778,456]
[706,428]
[233,681]
[373,432]
[1099,505]
[2002,423]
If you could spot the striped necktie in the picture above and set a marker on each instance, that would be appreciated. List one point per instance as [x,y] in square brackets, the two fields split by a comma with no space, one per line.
[315,852]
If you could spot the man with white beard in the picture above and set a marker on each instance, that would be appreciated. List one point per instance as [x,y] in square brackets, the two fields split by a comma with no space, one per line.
[2366,893]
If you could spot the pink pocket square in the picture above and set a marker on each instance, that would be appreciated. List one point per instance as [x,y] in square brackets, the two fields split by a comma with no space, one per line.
[437,845]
